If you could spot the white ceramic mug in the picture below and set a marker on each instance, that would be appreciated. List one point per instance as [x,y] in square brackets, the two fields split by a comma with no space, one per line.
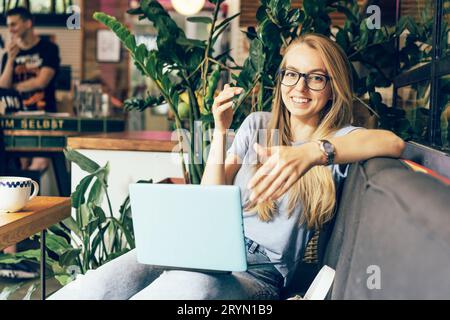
[15,193]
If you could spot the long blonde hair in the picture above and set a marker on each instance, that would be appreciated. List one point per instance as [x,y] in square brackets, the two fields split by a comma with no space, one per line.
[316,189]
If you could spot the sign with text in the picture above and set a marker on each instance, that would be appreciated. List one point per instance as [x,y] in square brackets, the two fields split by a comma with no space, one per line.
[61,124]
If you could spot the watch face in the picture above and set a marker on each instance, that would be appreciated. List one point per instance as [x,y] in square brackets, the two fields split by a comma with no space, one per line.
[328,147]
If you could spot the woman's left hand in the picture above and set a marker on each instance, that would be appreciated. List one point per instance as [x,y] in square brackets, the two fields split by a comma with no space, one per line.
[282,167]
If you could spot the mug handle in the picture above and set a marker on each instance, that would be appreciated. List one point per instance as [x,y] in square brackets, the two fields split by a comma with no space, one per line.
[36,189]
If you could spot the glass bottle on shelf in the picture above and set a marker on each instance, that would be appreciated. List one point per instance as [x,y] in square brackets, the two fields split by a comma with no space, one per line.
[87,102]
[105,106]
[76,102]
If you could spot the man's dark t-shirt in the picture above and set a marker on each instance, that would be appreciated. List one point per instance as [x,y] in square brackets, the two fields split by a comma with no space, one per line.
[27,65]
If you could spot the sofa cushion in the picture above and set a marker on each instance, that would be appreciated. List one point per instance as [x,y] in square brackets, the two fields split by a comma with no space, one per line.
[395,224]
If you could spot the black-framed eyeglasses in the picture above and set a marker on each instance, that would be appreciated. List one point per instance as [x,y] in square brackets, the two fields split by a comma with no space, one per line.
[314,81]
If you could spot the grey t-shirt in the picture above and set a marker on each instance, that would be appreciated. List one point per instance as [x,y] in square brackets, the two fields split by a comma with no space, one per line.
[282,238]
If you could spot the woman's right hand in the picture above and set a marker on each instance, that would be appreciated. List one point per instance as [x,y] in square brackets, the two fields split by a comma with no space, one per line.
[222,107]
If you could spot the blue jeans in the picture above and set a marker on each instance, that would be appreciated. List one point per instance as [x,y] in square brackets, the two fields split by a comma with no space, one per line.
[124,278]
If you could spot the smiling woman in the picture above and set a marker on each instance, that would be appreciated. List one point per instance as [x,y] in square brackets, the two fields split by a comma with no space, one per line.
[290,195]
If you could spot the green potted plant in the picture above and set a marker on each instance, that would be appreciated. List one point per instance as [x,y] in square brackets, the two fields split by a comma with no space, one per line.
[186,72]
[89,238]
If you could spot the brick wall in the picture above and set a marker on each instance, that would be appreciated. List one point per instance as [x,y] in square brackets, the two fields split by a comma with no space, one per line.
[114,75]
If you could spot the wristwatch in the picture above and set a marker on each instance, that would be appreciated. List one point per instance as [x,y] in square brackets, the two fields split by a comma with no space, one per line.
[328,150]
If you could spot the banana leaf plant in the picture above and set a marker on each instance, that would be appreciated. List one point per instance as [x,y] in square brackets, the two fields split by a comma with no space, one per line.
[89,238]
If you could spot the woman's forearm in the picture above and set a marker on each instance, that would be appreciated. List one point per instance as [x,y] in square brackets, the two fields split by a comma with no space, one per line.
[366,144]
[286,164]
[214,173]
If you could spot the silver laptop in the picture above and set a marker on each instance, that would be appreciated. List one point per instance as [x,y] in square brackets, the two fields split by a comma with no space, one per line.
[189,226]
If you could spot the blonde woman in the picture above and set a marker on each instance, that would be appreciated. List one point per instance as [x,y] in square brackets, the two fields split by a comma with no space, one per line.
[294,191]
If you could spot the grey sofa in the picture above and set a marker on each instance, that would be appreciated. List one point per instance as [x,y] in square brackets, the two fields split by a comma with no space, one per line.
[390,238]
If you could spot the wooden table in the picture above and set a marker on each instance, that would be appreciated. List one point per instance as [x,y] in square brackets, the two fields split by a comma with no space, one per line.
[39,214]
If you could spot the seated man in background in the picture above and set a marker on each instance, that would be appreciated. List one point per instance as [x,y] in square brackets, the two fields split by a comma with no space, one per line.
[29,66]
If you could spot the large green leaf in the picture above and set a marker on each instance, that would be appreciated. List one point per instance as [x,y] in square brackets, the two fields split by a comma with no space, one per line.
[295,17]
[364,35]
[141,53]
[375,98]
[227,21]
[342,39]
[118,28]
[92,225]
[33,255]
[30,291]
[99,213]
[9,290]
[135,11]
[218,32]
[127,233]
[73,226]
[152,65]
[348,13]
[190,43]
[84,217]
[321,26]
[261,14]
[56,243]
[68,257]
[311,7]
[269,33]
[64,279]
[82,161]
[78,195]
[370,82]
[10,259]
[205,20]
[130,42]
[96,193]
[257,56]
[98,238]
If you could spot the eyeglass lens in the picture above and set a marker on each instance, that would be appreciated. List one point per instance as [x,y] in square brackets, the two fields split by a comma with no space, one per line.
[314,81]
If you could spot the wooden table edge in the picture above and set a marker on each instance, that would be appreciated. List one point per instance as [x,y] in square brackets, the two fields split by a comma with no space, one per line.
[34,223]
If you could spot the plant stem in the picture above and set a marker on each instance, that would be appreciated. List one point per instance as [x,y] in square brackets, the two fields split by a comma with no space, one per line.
[260,96]
[208,48]
[71,236]
[196,69]
[192,101]
[220,64]
[105,249]
[108,200]
[367,106]
[80,265]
